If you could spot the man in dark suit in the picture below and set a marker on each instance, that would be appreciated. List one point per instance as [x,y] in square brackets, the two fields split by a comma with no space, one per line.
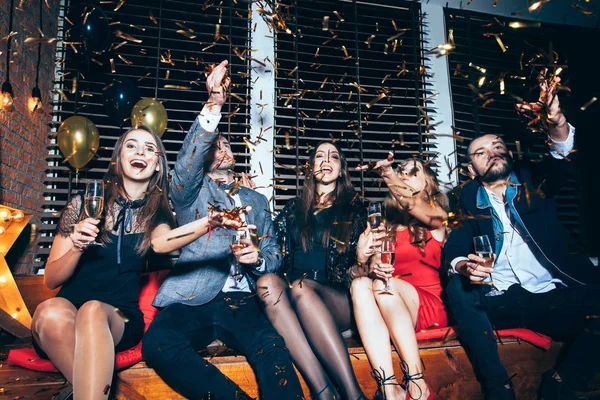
[205,297]
[537,284]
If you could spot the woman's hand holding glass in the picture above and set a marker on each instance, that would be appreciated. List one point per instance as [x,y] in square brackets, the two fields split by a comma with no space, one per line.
[84,233]
[368,244]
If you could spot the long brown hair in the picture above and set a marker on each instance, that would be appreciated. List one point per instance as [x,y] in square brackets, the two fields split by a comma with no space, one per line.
[156,208]
[431,193]
[342,196]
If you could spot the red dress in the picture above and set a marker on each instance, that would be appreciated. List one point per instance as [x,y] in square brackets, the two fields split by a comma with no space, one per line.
[423,273]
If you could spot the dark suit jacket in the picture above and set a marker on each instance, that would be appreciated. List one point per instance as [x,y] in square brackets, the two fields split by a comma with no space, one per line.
[537,209]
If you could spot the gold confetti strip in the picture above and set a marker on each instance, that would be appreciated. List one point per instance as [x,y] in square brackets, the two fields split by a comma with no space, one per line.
[376,99]
[125,36]
[478,68]
[502,46]
[168,73]
[126,61]
[152,18]
[217,31]
[325,23]
[451,36]
[39,40]
[178,87]
[117,46]
[123,317]
[186,34]
[112,65]
[589,103]
[502,86]
[368,41]
[209,46]
[516,24]
[121,2]
[317,52]
[385,49]
[180,236]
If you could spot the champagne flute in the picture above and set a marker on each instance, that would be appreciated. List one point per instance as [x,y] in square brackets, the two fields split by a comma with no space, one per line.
[236,244]
[374,215]
[483,249]
[251,235]
[94,202]
[388,256]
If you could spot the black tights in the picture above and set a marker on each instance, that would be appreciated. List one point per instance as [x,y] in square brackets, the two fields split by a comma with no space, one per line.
[310,317]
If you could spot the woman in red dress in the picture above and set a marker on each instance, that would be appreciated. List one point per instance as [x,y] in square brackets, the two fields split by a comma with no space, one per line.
[415,214]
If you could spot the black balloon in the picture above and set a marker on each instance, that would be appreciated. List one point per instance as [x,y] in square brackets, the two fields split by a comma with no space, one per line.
[119,97]
[90,28]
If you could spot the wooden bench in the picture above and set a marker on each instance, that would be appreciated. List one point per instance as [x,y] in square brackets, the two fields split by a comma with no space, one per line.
[447,368]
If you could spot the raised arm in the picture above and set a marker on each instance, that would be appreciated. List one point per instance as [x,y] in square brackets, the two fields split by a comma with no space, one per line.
[427,212]
[188,174]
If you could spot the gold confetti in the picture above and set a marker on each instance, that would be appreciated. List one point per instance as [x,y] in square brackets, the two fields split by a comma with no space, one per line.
[376,99]
[325,23]
[178,87]
[125,36]
[74,85]
[121,2]
[502,47]
[39,40]
[337,14]
[112,65]
[152,18]
[186,34]
[589,103]
[126,61]
[481,81]
[478,68]
[517,25]
[502,86]
[123,317]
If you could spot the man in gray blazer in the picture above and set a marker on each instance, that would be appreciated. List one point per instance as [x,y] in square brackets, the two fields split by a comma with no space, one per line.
[205,298]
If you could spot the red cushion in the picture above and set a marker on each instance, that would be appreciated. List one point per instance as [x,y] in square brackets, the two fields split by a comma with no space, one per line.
[28,358]
[536,339]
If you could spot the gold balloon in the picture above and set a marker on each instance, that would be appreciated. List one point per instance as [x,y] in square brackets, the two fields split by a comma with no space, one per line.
[152,113]
[78,139]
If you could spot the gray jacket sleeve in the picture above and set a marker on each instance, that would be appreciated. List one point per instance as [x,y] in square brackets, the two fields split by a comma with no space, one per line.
[268,245]
[188,175]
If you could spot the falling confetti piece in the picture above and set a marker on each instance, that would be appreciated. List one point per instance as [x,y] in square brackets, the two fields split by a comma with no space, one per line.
[589,103]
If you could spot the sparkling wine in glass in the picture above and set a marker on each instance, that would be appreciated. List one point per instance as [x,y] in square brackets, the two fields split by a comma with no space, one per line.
[93,202]
[374,215]
[483,249]
[388,256]
[252,235]
[236,245]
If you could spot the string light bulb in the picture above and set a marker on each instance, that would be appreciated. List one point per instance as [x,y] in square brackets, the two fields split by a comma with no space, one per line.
[35,101]
[6,101]
[4,214]
[17,216]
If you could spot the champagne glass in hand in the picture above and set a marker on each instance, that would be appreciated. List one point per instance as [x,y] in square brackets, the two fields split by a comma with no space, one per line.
[94,202]
[388,256]
[374,215]
[236,245]
[483,249]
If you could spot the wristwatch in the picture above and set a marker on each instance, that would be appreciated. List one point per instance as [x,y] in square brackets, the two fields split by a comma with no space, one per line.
[260,260]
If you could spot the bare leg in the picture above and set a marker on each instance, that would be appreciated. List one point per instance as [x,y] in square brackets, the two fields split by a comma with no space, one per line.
[274,293]
[53,328]
[400,314]
[374,334]
[98,329]
[324,311]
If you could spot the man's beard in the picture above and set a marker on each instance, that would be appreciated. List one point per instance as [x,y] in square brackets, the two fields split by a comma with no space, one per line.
[495,174]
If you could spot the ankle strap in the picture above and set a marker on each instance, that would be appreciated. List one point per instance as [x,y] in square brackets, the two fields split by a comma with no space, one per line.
[407,378]
[381,379]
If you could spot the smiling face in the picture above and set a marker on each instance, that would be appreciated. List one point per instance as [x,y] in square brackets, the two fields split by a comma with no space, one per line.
[411,173]
[327,165]
[139,156]
[491,161]
[222,156]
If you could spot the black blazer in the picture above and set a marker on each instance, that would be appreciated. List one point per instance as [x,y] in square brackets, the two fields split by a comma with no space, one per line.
[537,208]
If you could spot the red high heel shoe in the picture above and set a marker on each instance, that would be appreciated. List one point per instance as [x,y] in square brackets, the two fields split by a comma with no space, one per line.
[410,378]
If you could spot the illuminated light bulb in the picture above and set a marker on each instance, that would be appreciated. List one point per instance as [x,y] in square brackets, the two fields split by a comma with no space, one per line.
[2,230]
[18,216]
[6,101]
[2,281]
[34,103]
[14,315]
[4,214]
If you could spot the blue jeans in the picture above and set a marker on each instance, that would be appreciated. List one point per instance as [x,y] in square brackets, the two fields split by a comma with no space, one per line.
[236,319]
[560,313]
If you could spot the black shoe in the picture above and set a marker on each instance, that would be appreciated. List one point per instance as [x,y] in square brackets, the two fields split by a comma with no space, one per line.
[551,389]
[500,393]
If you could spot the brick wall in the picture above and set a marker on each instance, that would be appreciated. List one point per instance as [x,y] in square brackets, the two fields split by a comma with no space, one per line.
[24,136]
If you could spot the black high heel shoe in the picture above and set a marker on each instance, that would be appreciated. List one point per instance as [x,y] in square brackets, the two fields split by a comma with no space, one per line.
[382,381]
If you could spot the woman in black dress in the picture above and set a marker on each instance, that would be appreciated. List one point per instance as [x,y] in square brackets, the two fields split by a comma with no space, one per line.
[96,313]
[309,304]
